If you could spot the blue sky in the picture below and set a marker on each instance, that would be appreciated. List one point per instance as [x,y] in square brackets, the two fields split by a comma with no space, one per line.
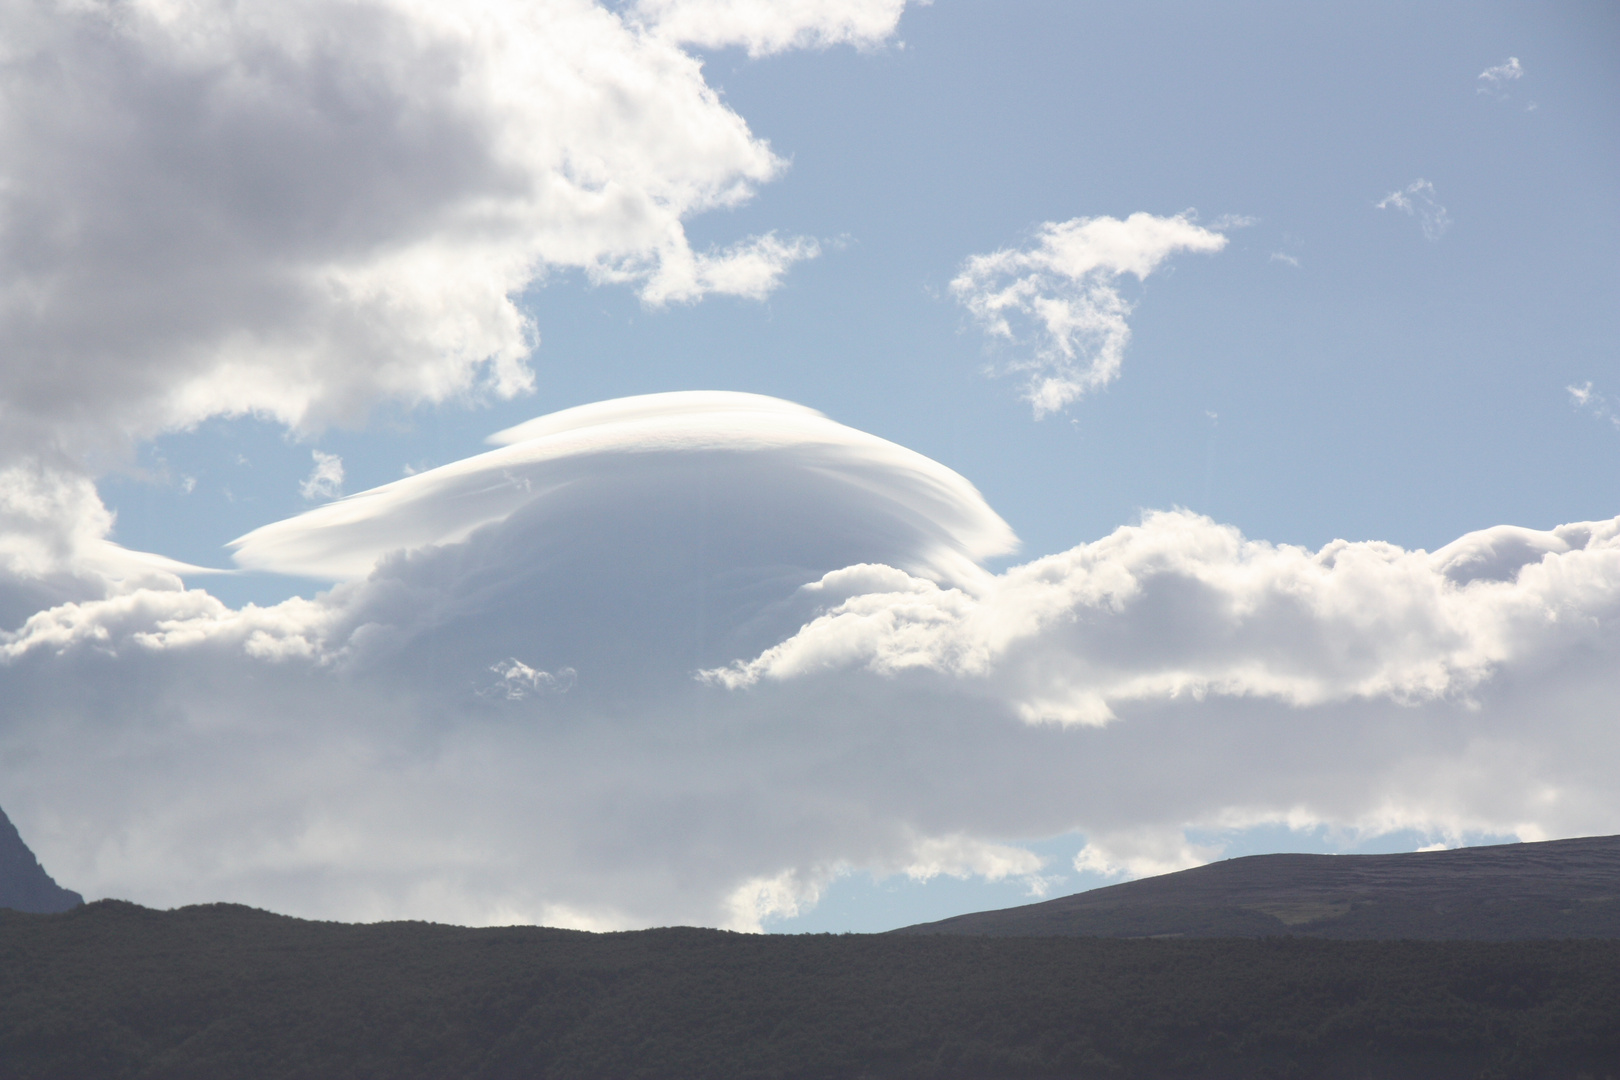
[1399,331]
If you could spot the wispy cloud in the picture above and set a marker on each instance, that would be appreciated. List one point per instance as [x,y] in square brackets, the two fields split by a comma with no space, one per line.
[1495,81]
[1060,297]
[1418,200]
[1284,257]
[325,480]
[1586,398]
[517,681]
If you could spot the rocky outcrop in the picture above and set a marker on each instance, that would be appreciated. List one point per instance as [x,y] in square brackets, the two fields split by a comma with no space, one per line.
[24,884]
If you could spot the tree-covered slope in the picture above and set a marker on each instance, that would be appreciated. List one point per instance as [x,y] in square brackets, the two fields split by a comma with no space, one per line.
[111,990]
[1504,892]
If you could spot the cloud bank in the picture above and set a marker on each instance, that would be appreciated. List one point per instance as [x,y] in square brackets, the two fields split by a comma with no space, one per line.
[1060,297]
[686,658]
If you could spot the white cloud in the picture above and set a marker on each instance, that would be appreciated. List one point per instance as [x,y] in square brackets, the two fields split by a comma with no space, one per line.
[1493,79]
[518,680]
[325,480]
[1071,638]
[1503,72]
[890,503]
[297,209]
[1284,257]
[772,26]
[1060,297]
[1588,399]
[1418,200]
[54,544]
[402,746]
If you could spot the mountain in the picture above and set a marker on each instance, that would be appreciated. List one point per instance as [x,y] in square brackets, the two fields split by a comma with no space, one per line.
[24,884]
[1553,889]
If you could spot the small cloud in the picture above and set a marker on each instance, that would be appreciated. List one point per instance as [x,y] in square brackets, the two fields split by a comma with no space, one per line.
[1417,200]
[1233,221]
[188,484]
[518,681]
[325,480]
[1283,257]
[1587,399]
[1492,79]
[1059,300]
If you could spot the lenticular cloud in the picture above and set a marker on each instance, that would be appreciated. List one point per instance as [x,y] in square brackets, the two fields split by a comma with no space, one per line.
[688,657]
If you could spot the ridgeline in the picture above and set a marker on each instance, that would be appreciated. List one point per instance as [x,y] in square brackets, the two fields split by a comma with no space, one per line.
[1503,892]
[24,884]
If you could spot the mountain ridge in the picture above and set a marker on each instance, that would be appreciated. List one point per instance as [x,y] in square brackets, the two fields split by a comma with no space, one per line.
[1500,892]
[24,884]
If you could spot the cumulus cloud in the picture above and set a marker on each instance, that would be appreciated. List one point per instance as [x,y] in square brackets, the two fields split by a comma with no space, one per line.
[764,27]
[297,209]
[692,657]
[1418,200]
[1060,297]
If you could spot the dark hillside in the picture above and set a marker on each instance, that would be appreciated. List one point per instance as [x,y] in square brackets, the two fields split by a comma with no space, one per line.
[113,991]
[24,884]
[1505,892]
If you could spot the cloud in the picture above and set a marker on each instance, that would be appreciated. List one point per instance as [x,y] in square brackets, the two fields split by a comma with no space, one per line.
[54,545]
[296,210]
[1060,297]
[1284,257]
[497,715]
[764,27]
[1071,638]
[1493,79]
[1587,399]
[325,480]
[1504,72]
[1417,200]
[518,680]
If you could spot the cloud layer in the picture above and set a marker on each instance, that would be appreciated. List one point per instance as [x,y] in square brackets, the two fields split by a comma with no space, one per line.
[1059,298]
[686,658]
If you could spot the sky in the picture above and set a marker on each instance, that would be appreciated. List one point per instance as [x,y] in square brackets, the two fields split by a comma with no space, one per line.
[811,466]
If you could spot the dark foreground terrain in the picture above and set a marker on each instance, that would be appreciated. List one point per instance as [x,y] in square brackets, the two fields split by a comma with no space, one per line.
[112,990]
[1505,892]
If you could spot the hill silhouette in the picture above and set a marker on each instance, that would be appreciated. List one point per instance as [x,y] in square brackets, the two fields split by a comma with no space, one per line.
[24,884]
[1504,892]
[119,992]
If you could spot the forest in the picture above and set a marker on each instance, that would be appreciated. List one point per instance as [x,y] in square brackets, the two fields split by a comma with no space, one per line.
[114,990]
